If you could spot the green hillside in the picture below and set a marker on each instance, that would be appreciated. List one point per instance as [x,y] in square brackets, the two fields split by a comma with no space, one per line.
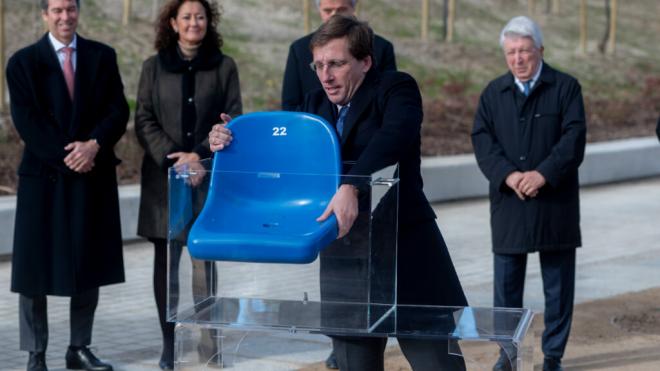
[621,90]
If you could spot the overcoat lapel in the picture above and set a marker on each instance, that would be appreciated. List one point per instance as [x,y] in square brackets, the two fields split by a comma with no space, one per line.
[359,103]
[86,69]
[51,85]
[327,111]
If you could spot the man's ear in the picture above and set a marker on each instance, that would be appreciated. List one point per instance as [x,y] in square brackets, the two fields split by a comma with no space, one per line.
[367,64]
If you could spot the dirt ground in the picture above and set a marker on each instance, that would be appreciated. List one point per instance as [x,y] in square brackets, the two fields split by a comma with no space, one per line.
[620,333]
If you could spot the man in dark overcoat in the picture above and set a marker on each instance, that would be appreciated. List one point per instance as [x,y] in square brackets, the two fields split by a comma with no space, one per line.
[299,79]
[380,126]
[529,139]
[68,106]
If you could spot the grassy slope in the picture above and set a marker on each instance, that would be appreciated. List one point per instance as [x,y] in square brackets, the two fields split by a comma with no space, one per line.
[257,34]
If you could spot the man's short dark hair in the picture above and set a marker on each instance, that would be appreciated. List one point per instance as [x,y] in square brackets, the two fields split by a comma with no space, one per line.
[44,4]
[359,34]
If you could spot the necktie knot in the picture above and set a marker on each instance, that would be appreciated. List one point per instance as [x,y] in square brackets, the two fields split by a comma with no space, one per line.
[67,50]
[527,85]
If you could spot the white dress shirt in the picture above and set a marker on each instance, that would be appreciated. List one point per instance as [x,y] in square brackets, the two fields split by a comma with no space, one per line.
[532,81]
[57,45]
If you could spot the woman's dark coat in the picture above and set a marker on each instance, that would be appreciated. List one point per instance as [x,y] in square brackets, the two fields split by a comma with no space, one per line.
[158,120]
[543,132]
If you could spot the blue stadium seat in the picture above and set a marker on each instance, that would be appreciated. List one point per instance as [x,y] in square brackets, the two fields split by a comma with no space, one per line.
[267,189]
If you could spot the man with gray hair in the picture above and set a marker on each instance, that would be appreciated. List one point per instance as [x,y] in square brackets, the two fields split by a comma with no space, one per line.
[529,138]
[299,79]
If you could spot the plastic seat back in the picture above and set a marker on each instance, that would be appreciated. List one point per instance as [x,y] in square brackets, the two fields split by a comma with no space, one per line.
[267,188]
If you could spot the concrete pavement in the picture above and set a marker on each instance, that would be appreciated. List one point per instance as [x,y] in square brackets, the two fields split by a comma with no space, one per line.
[621,253]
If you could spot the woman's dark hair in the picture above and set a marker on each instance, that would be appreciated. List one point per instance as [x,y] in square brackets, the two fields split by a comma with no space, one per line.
[165,35]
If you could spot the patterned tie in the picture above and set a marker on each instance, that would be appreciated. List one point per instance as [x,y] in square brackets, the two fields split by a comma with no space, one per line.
[340,120]
[69,75]
[526,86]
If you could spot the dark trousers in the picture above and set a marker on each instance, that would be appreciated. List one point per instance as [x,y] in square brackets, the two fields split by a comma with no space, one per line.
[33,320]
[558,273]
[426,276]
[366,354]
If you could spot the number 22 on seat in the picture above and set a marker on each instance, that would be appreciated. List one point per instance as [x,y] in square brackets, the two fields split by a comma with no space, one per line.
[279,131]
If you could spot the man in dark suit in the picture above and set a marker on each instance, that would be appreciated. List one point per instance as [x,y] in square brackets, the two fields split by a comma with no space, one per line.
[299,79]
[378,118]
[529,140]
[68,105]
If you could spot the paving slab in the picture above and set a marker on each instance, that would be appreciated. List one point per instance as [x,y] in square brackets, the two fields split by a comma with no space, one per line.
[621,253]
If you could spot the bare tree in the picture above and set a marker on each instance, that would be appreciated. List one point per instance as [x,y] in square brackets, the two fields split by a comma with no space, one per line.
[155,8]
[425,20]
[306,21]
[449,15]
[127,12]
[3,104]
[583,26]
[555,6]
[608,42]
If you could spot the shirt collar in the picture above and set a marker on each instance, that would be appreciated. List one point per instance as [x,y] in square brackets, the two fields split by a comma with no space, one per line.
[532,81]
[339,107]
[57,45]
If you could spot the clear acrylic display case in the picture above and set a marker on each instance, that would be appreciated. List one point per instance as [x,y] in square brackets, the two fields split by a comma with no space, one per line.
[271,316]
[476,334]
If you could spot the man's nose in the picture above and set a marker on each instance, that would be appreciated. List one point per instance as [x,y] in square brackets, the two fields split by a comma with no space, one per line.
[325,73]
[519,57]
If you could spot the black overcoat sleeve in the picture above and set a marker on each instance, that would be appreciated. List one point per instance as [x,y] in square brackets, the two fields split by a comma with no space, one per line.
[38,129]
[568,153]
[402,115]
[112,125]
[388,62]
[490,155]
[292,90]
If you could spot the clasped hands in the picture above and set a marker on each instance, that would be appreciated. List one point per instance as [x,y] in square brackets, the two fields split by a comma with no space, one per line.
[344,203]
[81,156]
[525,184]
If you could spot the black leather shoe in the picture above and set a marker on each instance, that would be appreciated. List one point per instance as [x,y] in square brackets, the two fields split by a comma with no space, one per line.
[37,362]
[331,361]
[552,364]
[83,359]
[503,364]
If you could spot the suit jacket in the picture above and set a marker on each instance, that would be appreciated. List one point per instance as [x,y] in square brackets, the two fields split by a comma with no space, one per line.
[67,233]
[299,79]
[545,131]
[382,128]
